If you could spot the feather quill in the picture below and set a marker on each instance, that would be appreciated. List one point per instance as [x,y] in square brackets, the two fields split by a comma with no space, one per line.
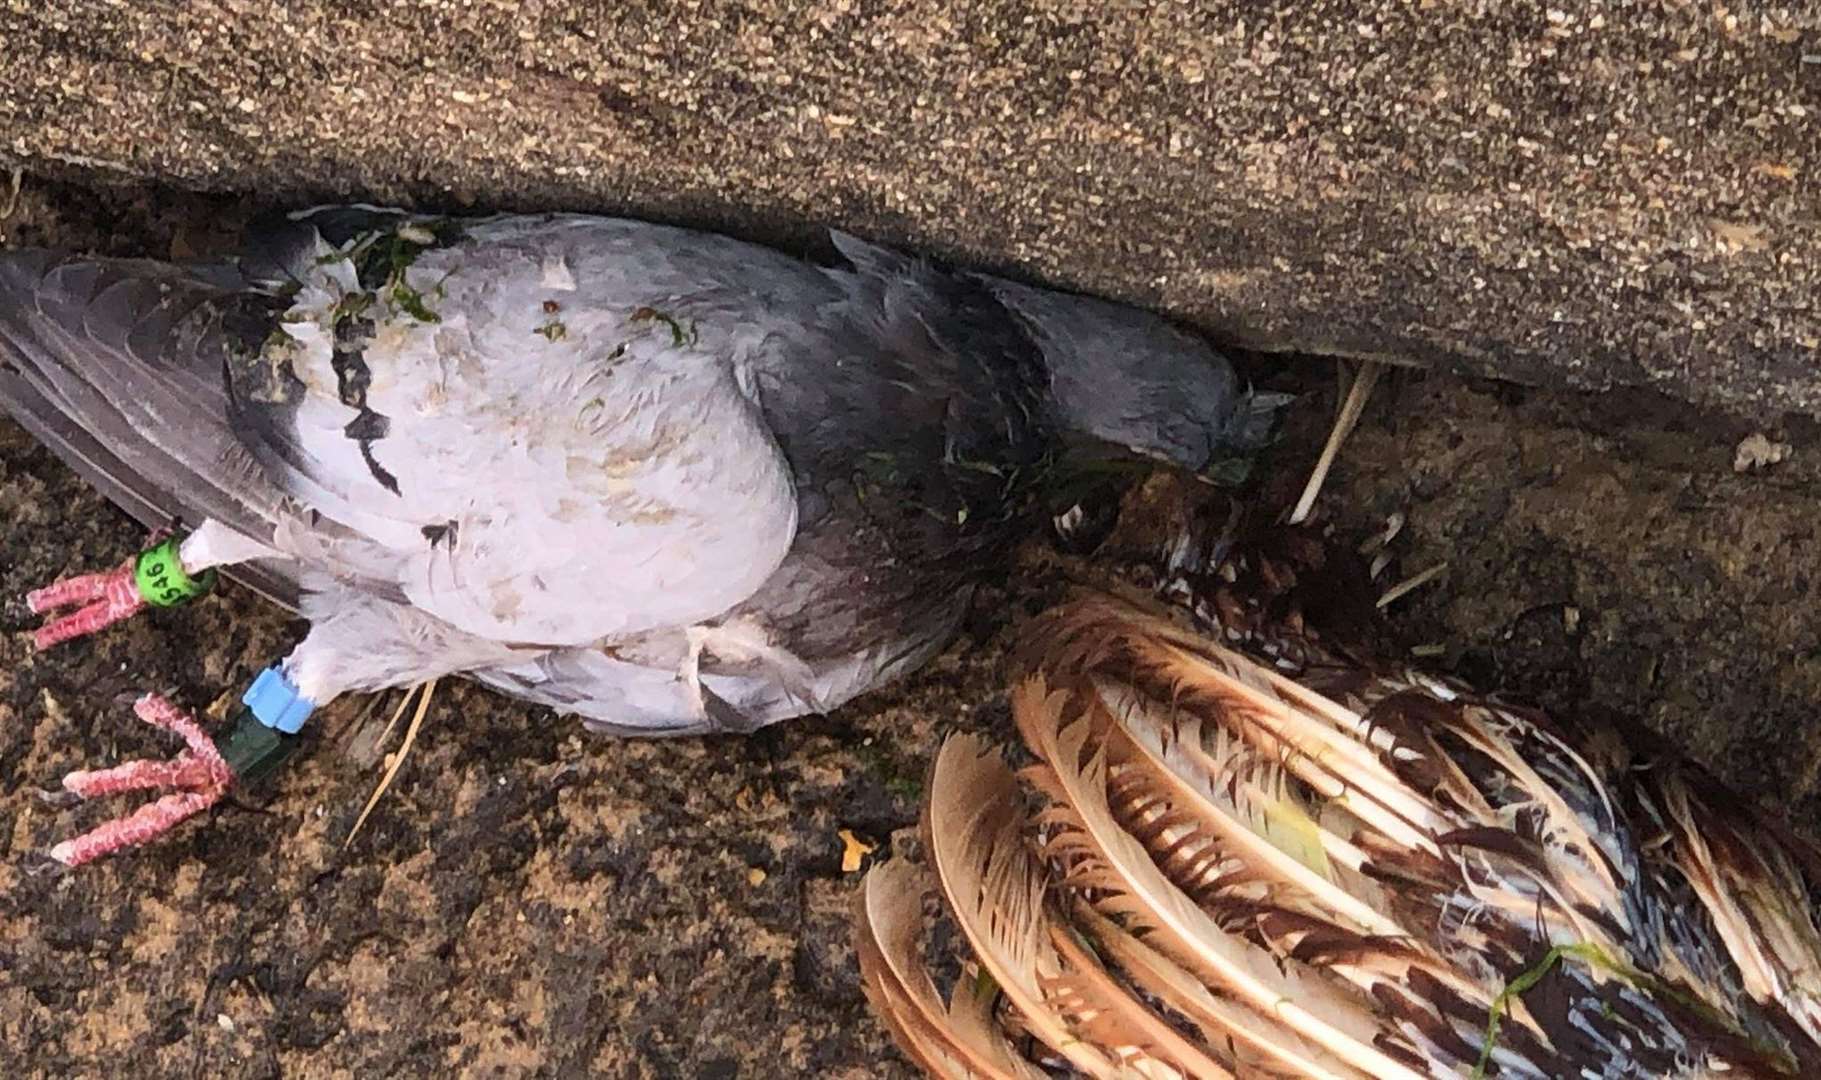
[995,888]
[957,1039]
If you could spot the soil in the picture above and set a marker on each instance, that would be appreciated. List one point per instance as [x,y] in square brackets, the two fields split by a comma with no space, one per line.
[528,900]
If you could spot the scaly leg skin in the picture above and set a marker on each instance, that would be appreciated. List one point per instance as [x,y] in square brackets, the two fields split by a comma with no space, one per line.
[165,573]
[106,598]
[196,779]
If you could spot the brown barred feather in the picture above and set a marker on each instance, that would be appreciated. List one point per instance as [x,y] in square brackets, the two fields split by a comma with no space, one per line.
[1252,847]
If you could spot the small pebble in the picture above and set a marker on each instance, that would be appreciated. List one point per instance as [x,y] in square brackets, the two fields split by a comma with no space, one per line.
[1756,451]
[854,851]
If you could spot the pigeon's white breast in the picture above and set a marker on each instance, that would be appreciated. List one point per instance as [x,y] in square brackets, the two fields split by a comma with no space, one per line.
[575,459]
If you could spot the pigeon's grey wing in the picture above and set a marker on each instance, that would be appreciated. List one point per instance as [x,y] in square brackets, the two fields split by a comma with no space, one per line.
[116,367]
[907,405]
[547,422]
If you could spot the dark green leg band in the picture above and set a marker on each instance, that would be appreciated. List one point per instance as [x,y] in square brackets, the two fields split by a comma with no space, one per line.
[252,749]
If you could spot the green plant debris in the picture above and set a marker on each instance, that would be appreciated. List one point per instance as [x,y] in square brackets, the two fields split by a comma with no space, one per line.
[352,306]
[552,331]
[262,371]
[276,344]
[904,785]
[679,337]
[411,302]
[1598,959]
[977,465]
[1527,979]
[381,258]
[1228,472]
[384,257]
[1088,945]
[986,987]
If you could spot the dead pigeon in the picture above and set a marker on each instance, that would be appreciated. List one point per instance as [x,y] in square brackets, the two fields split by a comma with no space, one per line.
[667,480]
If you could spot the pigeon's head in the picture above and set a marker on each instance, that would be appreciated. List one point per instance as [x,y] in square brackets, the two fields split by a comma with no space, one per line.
[1127,377]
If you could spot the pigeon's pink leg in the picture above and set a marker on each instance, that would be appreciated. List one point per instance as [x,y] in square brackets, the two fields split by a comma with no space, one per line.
[154,576]
[199,777]
[106,597]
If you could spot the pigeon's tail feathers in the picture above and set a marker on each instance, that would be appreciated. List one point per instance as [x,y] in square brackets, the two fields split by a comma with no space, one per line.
[118,367]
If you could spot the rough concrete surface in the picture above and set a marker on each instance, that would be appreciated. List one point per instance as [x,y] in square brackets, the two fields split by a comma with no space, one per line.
[1611,193]
[528,901]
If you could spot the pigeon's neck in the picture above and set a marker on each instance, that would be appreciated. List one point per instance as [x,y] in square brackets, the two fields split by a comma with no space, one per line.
[1123,376]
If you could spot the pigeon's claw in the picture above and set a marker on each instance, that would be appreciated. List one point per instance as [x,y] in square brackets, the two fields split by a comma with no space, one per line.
[105,598]
[196,779]
[689,672]
[141,826]
[738,641]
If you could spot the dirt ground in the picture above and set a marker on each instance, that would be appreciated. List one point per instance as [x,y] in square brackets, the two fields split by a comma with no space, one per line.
[531,901]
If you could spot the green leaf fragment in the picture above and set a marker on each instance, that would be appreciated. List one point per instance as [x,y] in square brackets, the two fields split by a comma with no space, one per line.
[985,986]
[1229,472]
[411,302]
[353,305]
[679,337]
[1600,960]
[1520,985]
[276,345]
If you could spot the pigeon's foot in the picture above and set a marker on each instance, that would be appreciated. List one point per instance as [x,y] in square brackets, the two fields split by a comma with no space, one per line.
[154,576]
[740,641]
[105,598]
[195,780]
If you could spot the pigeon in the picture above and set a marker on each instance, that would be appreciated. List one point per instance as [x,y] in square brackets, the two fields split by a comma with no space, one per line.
[665,480]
